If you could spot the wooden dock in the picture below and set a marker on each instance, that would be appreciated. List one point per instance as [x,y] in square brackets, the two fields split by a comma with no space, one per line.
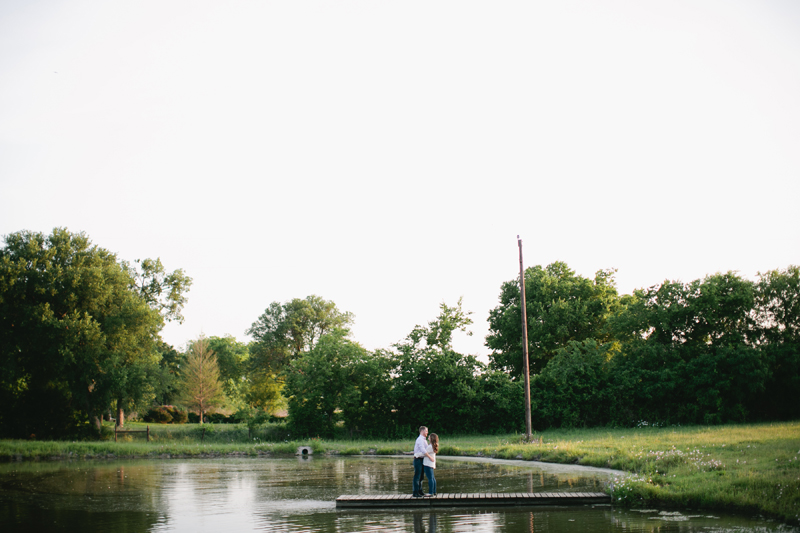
[473,500]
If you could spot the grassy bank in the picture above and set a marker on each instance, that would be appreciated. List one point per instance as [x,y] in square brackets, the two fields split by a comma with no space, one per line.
[750,467]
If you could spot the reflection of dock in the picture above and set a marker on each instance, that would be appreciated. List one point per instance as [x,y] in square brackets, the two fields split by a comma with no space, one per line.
[474,499]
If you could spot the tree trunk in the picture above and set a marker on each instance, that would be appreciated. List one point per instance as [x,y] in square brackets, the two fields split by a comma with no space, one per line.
[98,424]
[120,414]
[201,416]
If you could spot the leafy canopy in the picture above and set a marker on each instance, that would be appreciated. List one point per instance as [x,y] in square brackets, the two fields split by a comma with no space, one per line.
[165,292]
[74,334]
[285,331]
[561,307]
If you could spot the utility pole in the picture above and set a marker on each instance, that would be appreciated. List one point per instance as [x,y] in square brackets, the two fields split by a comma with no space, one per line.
[525,365]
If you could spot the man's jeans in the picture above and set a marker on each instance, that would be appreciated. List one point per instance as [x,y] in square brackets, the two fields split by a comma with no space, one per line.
[418,475]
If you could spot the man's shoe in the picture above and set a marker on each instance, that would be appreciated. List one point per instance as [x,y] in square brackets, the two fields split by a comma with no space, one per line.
[416,495]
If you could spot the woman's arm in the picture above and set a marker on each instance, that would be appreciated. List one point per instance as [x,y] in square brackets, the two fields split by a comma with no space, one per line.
[429,449]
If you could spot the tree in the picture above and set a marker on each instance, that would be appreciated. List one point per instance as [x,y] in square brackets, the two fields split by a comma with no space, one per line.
[715,310]
[164,293]
[265,390]
[435,385]
[778,305]
[285,331]
[573,389]
[201,388]
[690,351]
[561,307]
[167,377]
[438,334]
[500,403]
[232,358]
[324,382]
[73,334]
[368,404]
[778,323]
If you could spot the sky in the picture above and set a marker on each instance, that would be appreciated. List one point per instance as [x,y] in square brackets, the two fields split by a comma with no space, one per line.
[385,155]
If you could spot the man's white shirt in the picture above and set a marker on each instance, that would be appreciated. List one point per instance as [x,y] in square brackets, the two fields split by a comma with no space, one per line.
[420,447]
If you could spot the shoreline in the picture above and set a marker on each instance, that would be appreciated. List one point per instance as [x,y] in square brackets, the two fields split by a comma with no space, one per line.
[743,468]
[547,467]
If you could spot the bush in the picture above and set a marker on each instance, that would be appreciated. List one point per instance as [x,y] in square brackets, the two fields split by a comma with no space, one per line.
[219,418]
[165,414]
[179,416]
[213,418]
[158,415]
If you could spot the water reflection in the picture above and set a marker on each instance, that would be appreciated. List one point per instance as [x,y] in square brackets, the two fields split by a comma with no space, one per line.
[297,494]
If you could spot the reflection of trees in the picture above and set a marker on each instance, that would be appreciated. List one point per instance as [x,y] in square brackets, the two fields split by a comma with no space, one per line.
[89,496]
[16,516]
[131,485]
[323,479]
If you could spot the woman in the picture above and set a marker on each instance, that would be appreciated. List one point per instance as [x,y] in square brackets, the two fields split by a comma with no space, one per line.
[429,463]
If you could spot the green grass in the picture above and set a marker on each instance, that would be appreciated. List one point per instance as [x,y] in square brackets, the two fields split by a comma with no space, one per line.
[751,468]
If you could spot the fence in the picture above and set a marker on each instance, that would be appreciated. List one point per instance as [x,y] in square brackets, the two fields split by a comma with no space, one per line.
[117,430]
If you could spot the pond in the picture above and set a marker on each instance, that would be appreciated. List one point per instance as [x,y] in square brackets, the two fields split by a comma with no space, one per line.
[297,495]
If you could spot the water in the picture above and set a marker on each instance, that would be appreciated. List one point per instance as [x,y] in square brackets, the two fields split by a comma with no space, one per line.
[297,495]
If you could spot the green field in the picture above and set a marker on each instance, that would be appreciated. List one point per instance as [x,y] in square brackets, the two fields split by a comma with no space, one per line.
[752,468]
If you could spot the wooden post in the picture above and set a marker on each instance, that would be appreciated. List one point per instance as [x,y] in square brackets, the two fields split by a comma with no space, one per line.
[148,433]
[525,365]
[115,433]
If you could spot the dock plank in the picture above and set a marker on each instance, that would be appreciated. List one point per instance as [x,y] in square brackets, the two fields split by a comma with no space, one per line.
[473,499]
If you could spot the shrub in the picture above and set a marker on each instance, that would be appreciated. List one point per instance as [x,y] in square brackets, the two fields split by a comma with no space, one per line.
[213,418]
[165,414]
[179,416]
[158,415]
[219,418]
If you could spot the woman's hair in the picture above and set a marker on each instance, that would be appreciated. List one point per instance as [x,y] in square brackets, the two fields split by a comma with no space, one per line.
[434,438]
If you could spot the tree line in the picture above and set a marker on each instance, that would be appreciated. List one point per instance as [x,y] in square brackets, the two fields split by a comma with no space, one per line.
[714,350]
[80,340]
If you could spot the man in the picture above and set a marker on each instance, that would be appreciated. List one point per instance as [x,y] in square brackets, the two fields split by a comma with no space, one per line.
[420,447]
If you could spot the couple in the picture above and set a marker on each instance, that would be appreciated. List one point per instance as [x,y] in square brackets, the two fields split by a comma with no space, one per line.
[425,461]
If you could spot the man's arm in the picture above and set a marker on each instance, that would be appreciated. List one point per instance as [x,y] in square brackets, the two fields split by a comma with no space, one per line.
[429,448]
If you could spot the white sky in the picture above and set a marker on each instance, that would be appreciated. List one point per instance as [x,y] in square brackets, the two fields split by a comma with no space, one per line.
[385,155]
